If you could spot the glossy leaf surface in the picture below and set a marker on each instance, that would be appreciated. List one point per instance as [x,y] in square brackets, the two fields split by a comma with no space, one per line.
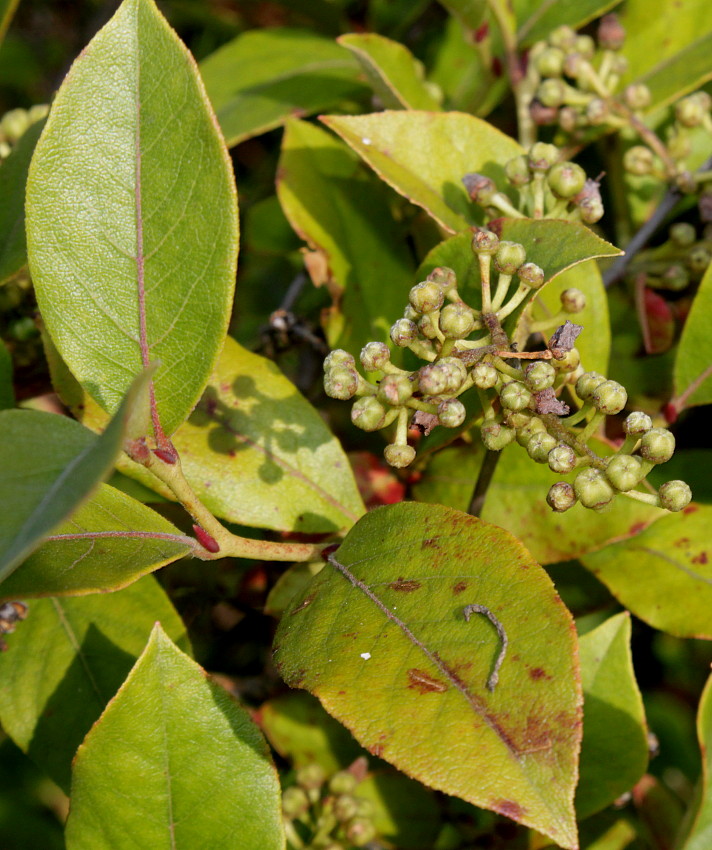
[106,544]
[68,659]
[425,155]
[48,467]
[384,644]
[263,77]
[667,562]
[13,178]
[195,766]
[681,73]
[693,361]
[132,217]
[537,18]
[342,211]
[396,75]
[699,835]
[614,753]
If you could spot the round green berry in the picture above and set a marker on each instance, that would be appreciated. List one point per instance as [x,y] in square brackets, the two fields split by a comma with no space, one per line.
[698,258]
[515,396]
[311,776]
[566,179]
[509,257]
[542,156]
[569,362]
[403,332]
[532,426]
[451,413]
[591,210]
[674,495]
[609,397]
[539,376]
[457,372]
[368,413]
[343,782]
[434,379]
[374,356]
[517,419]
[587,383]
[531,274]
[338,357]
[561,497]
[360,831]
[552,92]
[572,300]
[14,123]
[675,278]
[410,313]
[562,459]
[637,96]
[517,171]
[691,111]
[624,472]
[637,423]
[592,488]
[480,188]
[485,242]
[484,376]
[638,160]
[568,119]
[444,277]
[345,807]
[683,234]
[540,445]
[550,62]
[657,445]
[295,802]
[395,390]
[426,296]
[496,436]
[399,456]
[457,321]
[428,325]
[341,382]
[586,46]
[563,37]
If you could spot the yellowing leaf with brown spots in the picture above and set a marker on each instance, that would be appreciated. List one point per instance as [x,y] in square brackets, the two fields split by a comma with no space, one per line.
[380,636]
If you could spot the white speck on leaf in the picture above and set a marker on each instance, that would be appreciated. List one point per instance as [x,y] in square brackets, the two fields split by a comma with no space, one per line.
[366,140]
[365,655]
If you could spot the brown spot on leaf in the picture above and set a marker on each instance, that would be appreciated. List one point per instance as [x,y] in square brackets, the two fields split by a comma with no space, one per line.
[636,528]
[404,585]
[700,559]
[682,542]
[508,808]
[430,543]
[538,673]
[376,750]
[305,604]
[690,509]
[459,587]
[424,683]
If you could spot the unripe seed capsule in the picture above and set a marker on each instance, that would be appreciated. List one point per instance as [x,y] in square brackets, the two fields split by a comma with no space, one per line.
[593,488]
[399,456]
[568,119]
[456,372]
[638,160]
[542,156]
[525,432]
[683,234]
[368,413]
[14,123]
[550,62]
[338,357]
[451,413]
[609,397]
[374,356]
[675,278]
[443,276]
[345,807]
[295,802]
[343,782]
[586,46]
[573,300]
[531,274]
[611,34]
[624,472]
[562,459]
[637,96]
[517,171]
[539,376]
[657,445]
[674,495]
[311,776]
[481,189]
[509,257]
[563,37]
[360,831]
[395,390]
[587,383]
[566,179]
[637,423]
[515,396]
[517,419]
[561,497]
[591,210]
[569,362]
[690,111]
[540,445]
[341,382]
[434,379]
[427,327]
[403,332]
[485,376]
[698,259]
[426,296]
[551,92]
[485,242]
[496,436]
[457,321]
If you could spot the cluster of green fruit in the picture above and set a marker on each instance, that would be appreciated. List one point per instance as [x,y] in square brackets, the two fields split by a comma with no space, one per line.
[327,814]
[14,124]
[519,392]
[546,186]
[680,260]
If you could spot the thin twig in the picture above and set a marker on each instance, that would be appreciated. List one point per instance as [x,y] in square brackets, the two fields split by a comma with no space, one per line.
[484,479]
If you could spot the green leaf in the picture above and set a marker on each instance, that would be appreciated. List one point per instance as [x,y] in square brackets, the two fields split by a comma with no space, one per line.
[537,18]
[48,467]
[292,580]
[255,451]
[175,760]
[681,74]
[470,12]
[653,571]
[692,373]
[516,501]
[7,10]
[108,543]
[66,662]
[699,831]
[339,209]
[13,178]
[7,392]
[263,77]
[425,155]
[614,753]
[383,642]
[396,76]
[132,217]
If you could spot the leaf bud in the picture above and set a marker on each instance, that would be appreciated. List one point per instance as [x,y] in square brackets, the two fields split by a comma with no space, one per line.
[624,472]
[481,189]
[566,179]
[682,234]
[485,376]
[517,171]
[674,495]
[311,776]
[561,497]
[338,357]
[485,242]
[395,390]
[345,807]
[592,488]
[569,362]
[562,459]
[341,382]
[609,397]
[563,37]
[586,46]
[496,436]
[403,332]
[428,326]
[542,156]
[691,110]
[539,375]
[550,62]
[551,92]
[698,258]
[515,396]
[531,274]
[509,257]
[540,445]
[451,413]
[368,413]
[611,34]
[657,445]
[525,432]
[374,356]
[587,383]
[343,782]
[572,300]
[457,321]
[637,423]
[426,296]
[444,277]
[637,96]
[399,456]
[360,831]
[597,112]
[295,802]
